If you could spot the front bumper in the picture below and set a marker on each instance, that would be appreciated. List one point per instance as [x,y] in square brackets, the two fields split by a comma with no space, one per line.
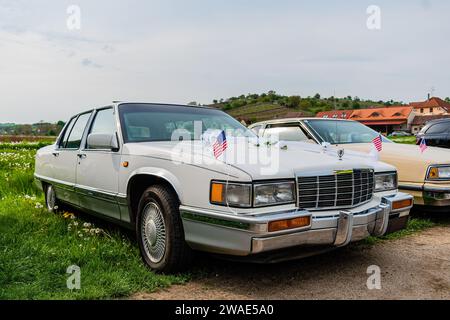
[248,235]
[430,195]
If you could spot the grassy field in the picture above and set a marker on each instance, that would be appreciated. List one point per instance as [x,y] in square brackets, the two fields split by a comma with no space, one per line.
[405,140]
[37,247]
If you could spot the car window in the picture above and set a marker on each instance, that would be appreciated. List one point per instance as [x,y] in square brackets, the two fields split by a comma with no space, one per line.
[65,135]
[438,128]
[256,129]
[286,132]
[104,122]
[76,135]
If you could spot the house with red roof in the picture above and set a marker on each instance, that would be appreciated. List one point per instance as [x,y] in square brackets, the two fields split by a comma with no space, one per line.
[431,107]
[385,120]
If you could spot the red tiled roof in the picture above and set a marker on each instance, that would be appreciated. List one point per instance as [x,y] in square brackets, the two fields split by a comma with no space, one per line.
[385,122]
[432,103]
[421,120]
[382,114]
[339,114]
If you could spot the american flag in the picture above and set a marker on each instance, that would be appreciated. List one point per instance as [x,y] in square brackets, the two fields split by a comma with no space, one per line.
[423,145]
[220,145]
[378,143]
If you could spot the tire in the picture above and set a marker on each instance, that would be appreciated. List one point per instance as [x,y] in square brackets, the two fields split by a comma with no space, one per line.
[160,233]
[51,201]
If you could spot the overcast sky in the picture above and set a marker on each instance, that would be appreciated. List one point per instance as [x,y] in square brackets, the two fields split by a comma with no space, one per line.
[198,50]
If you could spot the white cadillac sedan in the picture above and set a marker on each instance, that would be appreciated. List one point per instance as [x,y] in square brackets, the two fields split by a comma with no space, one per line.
[193,178]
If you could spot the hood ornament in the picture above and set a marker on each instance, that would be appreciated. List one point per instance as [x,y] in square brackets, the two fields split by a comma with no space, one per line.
[340,153]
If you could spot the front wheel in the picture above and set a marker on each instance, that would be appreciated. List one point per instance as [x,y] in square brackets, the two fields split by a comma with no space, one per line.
[160,231]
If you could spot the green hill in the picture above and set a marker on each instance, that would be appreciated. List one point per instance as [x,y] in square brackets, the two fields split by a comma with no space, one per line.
[259,107]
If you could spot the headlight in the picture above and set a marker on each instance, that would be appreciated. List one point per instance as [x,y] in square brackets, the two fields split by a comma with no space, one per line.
[245,195]
[231,194]
[274,193]
[385,181]
[438,173]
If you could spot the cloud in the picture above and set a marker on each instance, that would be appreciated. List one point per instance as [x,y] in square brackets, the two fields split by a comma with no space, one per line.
[89,63]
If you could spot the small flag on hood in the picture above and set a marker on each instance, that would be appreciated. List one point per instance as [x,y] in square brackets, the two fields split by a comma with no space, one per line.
[423,145]
[378,143]
[220,145]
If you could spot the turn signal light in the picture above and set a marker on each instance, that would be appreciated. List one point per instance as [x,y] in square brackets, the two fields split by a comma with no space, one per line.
[217,194]
[289,224]
[434,173]
[402,204]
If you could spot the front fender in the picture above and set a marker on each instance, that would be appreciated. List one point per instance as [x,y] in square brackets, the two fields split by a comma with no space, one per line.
[162,174]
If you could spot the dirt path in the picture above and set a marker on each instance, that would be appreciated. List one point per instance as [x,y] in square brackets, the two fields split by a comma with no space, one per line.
[414,267]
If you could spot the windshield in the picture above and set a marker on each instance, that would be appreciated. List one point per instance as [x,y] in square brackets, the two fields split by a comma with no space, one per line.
[343,132]
[153,122]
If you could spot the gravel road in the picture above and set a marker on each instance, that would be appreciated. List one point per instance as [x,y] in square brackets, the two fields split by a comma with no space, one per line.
[413,267]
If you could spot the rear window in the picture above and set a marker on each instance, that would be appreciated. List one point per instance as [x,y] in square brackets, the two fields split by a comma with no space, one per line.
[76,134]
[286,132]
[438,128]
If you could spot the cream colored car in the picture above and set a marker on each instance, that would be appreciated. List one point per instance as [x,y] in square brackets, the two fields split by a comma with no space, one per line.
[425,175]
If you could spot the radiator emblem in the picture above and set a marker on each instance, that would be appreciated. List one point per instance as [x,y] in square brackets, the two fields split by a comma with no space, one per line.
[338,172]
[340,153]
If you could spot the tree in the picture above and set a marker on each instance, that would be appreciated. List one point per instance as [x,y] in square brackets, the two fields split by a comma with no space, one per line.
[317,96]
[356,105]
[293,102]
[447,99]
[192,103]
[305,104]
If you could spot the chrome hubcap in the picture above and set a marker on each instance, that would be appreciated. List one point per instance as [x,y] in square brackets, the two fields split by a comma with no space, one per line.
[51,198]
[154,232]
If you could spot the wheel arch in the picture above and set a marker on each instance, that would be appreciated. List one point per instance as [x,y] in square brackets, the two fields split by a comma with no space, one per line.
[140,180]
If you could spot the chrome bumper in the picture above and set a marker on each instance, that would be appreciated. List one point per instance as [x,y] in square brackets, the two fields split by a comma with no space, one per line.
[438,197]
[246,235]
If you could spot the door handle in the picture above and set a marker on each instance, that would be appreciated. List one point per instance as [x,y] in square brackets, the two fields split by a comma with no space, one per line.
[55,154]
[82,155]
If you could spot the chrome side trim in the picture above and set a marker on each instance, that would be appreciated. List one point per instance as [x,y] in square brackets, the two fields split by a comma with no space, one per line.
[86,191]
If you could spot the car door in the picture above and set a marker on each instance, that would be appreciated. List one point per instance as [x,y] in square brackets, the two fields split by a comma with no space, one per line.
[65,156]
[97,175]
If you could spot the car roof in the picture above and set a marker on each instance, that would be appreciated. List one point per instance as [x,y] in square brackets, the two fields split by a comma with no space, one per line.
[118,103]
[438,121]
[297,119]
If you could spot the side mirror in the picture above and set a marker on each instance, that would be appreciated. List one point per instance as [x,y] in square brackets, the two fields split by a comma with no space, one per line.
[103,141]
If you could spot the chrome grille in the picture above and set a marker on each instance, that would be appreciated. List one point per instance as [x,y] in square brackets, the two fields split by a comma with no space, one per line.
[336,191]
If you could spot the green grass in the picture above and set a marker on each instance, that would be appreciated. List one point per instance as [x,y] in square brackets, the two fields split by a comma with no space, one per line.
[414,225]
[37,247]
[405,140]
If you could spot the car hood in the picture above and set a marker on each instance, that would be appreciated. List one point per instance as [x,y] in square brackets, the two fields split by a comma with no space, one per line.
[260,161]
[405,157]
